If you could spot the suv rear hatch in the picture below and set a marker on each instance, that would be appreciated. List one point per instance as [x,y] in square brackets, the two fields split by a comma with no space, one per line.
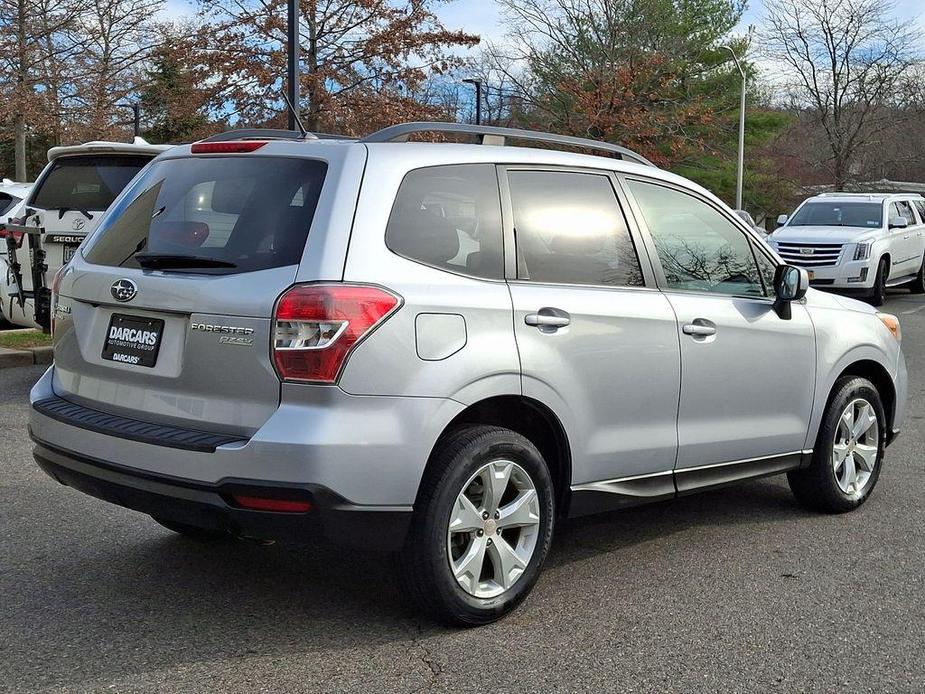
[72,195]
[165,314]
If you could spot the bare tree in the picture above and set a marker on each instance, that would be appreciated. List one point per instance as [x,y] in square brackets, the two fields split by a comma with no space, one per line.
[30,32]
[846,64]
[118,36]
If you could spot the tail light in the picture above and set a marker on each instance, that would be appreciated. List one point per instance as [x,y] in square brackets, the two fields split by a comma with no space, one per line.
[17,235]
[55,286]
[317,326]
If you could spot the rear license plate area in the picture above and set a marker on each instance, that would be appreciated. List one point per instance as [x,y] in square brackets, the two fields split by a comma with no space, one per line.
[133,340]
[69,252]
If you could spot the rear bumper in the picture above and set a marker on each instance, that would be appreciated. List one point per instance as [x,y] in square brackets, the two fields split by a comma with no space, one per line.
[212,506]
[358,459]
[368,450]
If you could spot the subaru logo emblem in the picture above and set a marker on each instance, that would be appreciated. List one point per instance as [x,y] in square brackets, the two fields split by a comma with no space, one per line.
[123,290]
[78,224]
[806,251]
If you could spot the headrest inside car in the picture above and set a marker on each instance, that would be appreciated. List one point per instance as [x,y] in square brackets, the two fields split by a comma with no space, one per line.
[229,195]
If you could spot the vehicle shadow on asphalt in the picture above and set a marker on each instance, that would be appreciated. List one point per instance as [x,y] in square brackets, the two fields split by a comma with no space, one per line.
[129,605]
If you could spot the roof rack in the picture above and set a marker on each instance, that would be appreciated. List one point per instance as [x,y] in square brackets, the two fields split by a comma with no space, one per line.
[492,135]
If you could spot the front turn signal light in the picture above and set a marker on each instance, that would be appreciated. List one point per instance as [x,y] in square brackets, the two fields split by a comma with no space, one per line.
[892,324]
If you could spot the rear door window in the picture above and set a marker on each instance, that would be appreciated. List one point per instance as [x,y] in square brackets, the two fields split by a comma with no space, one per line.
[86,182]
[570,230]
[224,214]
[920,206]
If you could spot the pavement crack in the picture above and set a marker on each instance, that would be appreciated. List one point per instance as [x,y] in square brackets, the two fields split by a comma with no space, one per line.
[426,657]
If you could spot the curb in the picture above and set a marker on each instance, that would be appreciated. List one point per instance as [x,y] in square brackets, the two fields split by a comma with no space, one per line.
[10,358]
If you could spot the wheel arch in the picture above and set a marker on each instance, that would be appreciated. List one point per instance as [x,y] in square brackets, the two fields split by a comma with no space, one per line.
[533,420]
[877,374]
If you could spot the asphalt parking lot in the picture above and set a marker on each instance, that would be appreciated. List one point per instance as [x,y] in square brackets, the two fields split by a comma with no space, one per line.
[735,590]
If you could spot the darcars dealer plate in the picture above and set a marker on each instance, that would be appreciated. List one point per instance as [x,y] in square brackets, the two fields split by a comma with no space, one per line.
[133,340]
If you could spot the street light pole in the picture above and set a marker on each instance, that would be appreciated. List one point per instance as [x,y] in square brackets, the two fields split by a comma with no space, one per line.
[292,67]
[478,98]
[136,115]
[741,167]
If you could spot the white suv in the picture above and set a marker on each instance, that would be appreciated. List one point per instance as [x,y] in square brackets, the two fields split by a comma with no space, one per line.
[67,203]
[857,243]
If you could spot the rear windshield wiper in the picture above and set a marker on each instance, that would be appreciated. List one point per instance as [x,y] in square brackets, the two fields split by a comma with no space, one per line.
[153,260]
[62,210]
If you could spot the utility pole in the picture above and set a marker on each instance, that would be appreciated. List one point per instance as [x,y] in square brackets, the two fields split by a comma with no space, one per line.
[19,121]
[478,98]
[136,116]
[292,71]
[740,170]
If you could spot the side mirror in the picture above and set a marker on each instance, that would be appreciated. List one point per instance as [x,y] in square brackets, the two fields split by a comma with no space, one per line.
[898,222]
[790,284]
[782,219]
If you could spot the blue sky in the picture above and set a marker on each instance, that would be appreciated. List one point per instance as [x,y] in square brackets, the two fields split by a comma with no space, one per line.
[483,17]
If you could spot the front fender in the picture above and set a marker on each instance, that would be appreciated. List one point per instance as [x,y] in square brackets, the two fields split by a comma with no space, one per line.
[831,367]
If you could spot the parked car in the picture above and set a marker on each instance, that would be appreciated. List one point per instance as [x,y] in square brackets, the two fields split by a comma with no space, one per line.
[857,243]
[746,217]
[12,200]
[11,195]
[443,349]
[68,201]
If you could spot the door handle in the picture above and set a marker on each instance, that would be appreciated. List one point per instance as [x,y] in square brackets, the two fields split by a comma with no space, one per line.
[548,318]
[698,330]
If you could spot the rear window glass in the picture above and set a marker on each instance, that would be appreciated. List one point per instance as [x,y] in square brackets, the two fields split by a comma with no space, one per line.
[7,202]
[838,214]
[231,214]
[86,182]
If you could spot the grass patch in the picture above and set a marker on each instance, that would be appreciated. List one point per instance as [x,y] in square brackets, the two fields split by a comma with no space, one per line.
[18,340]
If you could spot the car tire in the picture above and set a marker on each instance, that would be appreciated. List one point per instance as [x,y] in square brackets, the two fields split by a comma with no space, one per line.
[497,565]
[878,293]
[917,286]
[193,532]
[848,454]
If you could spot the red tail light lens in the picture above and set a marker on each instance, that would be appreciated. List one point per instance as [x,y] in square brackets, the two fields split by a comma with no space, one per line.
[236,147]
[317,325]
[260,503]
[17,235]
[55,286]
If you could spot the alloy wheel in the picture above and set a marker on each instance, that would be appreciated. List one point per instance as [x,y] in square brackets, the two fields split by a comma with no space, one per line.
[856,447]
[493,529]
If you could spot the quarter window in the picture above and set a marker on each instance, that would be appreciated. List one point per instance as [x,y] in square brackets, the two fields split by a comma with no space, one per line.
[449,217]
[570,230]
[698,248]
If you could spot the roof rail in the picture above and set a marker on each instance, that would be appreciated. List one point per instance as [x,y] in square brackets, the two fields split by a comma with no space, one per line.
[492,135]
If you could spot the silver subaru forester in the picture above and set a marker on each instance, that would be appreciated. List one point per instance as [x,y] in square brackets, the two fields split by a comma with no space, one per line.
[441,349]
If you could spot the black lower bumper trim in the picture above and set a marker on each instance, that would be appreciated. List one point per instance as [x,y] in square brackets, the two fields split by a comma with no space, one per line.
[132,429]
[211,505]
